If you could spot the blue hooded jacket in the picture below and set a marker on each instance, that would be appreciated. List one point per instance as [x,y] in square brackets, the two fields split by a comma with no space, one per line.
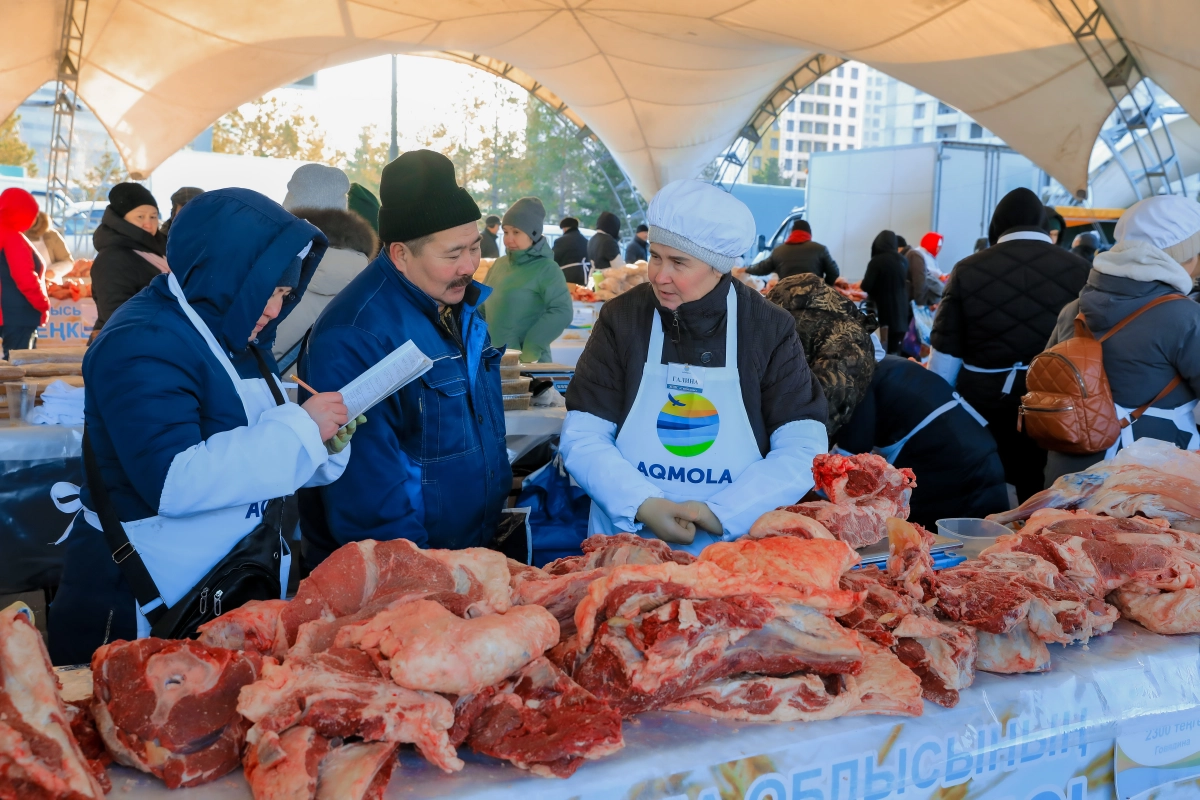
[431,464]
[153,386]
[165,420]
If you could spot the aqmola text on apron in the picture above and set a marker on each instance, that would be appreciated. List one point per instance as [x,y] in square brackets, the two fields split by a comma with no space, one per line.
[688,431]
[168,561]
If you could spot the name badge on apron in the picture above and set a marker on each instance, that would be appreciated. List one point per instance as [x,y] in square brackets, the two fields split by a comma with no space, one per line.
[685,378]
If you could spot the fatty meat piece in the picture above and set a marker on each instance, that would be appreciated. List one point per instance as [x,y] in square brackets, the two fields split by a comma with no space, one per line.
[798,563]
[169,707]
[540,720]
[616,550]
[356,771]
[283,766]
[359,573]
[783,522]
[429,649]
[39,756]
[856,525]
[559,594]
[340,693]
[863,478]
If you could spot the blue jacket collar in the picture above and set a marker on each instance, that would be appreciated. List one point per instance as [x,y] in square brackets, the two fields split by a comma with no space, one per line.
[476,293]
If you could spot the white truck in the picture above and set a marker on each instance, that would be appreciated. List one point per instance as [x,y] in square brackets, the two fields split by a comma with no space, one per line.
[948,187]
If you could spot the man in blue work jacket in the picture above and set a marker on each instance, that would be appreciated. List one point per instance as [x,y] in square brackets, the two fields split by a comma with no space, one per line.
[431,464]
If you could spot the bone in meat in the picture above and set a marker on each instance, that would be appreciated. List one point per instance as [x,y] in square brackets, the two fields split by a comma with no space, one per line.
[39,757]
[340,693]
[255,626]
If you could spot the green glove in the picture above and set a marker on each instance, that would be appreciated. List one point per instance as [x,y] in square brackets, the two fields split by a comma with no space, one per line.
[342,438]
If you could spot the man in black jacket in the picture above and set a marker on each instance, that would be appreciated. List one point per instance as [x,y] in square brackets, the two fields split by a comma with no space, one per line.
[638,248]
[489,244]
[797,256]
[998,310]
[605,247]
[571,247]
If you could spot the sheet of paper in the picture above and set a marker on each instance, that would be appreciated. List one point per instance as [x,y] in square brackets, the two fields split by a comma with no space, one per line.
[397,369]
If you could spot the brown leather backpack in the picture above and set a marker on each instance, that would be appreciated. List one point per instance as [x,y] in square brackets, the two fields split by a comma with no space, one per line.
[1069,406]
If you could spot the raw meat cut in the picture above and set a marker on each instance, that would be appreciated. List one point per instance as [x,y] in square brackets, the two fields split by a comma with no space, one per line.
[428,648]
[1119,491]
[169,707]
[1002,594]
[614,551]
[340,693]
[361,572]
[255,626]
[628,591]
[643,661]
[356,771]
[1161,612]
[788,560]
[782,522]
[558,594]
[909,564]
[299,764]
[942,654]
[39,757]
[884,686]
[540,720]
[83,728]
[854,480]
[283,766]
[856,525]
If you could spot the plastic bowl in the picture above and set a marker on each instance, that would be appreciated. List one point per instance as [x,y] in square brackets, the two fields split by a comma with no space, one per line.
[975,534]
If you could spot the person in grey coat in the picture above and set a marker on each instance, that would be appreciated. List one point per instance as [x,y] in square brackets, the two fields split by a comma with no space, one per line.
[1156,254]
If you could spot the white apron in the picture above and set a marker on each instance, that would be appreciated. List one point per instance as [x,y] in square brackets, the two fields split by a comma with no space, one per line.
[179,551]
[890,452]
[1009,381]
[1183,416]
[688,432]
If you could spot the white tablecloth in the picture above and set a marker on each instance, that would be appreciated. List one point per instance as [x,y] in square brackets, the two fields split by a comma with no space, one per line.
[1020,737]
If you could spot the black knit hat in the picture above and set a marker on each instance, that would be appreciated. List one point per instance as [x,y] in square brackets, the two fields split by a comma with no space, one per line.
[419,195]
[125,197]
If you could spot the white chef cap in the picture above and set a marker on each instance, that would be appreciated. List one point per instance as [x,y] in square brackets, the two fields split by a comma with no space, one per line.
[702,221]
[1169,222]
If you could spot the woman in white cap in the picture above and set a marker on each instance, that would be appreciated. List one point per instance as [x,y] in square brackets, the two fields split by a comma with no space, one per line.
[692,411]
[1155,257]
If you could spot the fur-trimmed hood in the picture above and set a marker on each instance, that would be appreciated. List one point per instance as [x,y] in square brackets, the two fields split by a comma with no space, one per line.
[344,229]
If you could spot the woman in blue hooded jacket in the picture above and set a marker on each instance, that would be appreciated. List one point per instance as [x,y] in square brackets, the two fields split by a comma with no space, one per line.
[190,441]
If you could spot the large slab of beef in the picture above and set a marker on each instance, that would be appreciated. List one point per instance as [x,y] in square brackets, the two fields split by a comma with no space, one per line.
[341,693]
[39,756]
[169,707]
[883,686]
[1119,490]
[1017,602]
[538,719]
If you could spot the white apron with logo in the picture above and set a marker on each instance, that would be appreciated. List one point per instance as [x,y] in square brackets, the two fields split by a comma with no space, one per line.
[691,441]
[178,552]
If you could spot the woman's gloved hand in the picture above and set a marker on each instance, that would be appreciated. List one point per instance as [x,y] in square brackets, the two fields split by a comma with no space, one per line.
[703,516]
[667,520]
[342,438]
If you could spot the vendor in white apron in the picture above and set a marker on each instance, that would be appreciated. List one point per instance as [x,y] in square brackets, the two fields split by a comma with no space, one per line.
[190,449]
[1154,358]
[692,411]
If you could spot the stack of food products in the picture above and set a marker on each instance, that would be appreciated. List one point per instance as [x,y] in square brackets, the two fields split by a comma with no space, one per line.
[37,369]
[75,284]
[615,281]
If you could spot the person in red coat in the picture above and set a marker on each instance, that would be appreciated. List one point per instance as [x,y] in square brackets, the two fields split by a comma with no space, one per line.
[23,301]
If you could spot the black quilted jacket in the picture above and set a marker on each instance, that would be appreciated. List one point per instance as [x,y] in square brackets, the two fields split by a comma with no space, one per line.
[1001,304]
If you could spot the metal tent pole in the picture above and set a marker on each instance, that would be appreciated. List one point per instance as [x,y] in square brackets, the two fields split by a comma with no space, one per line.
[66,102]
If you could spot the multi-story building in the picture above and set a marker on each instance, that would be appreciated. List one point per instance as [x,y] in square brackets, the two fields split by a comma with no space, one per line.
[896,113]
[827,115]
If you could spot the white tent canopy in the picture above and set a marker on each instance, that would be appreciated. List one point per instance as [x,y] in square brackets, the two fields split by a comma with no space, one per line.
[665,84]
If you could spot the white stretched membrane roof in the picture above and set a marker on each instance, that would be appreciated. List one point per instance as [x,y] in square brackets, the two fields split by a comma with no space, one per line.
[665,84]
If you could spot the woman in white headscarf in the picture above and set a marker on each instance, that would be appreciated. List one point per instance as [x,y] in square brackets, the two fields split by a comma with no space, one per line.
[692,411]
[1155,257]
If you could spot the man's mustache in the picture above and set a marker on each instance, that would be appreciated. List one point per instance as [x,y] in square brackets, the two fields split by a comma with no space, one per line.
[459,283]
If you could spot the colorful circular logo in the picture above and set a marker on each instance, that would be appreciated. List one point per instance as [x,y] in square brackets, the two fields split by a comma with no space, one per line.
[688,424]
